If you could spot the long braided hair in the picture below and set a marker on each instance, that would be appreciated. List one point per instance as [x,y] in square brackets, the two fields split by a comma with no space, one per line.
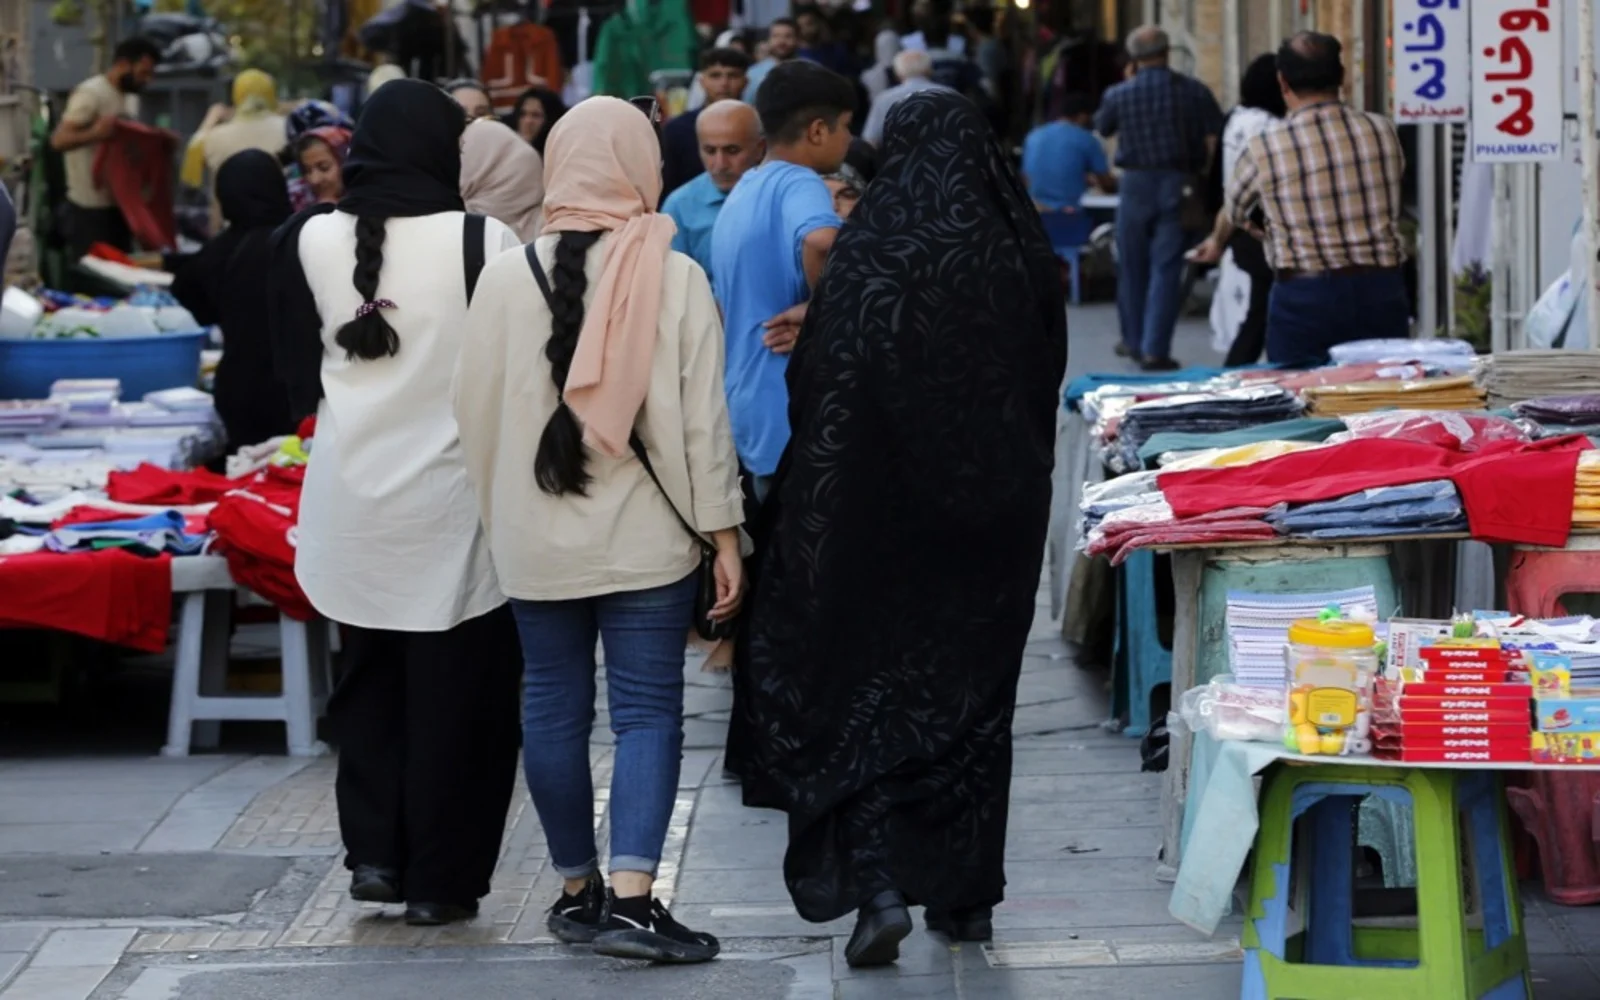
[369,336]
[560,465]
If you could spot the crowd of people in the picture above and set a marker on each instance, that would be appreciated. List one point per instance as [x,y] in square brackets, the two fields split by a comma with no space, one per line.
[782,373]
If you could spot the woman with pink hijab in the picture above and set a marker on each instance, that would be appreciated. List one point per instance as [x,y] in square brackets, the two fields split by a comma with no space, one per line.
[595,432]
[502,177]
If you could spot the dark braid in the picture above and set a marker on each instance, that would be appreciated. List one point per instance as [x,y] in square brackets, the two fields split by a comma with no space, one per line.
[559,465]
[368,337]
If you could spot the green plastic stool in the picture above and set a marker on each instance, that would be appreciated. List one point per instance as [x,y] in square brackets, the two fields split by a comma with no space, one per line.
[1297,569]
[1301,939]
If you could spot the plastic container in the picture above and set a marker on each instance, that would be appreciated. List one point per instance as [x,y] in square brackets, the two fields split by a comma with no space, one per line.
[1331,669]
[143,364]
[19,314]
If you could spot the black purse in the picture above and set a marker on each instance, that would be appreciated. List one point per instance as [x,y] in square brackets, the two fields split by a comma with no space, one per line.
[705,595]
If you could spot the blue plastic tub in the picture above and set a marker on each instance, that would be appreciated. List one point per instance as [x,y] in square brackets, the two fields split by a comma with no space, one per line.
[144,364]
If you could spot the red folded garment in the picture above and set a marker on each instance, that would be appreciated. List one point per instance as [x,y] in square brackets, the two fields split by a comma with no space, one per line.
[1512,492]
[113,596]
[255,532]
[151,484]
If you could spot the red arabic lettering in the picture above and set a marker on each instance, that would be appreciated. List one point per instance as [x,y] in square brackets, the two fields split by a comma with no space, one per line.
[1522,20]
[1520,122]
[1511,48]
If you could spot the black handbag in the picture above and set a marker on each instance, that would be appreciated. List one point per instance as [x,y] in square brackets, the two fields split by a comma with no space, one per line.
[705,595]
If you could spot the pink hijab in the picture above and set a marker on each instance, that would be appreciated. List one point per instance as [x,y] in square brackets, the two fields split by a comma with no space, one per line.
[502,177]
[602,173]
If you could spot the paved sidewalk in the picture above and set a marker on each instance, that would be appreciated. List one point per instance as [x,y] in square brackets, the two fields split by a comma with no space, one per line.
[143,878]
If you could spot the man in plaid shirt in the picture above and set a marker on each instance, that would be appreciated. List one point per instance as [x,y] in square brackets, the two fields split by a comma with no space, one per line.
[1167,125]
[1324,184]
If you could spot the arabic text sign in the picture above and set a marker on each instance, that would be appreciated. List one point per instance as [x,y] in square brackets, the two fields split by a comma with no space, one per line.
[1431,59]
[1516,80]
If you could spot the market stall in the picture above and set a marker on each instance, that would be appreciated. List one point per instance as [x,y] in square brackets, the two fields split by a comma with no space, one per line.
[1361,497]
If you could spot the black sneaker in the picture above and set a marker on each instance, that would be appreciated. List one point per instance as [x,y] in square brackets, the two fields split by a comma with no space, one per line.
[576,918]
[640,927]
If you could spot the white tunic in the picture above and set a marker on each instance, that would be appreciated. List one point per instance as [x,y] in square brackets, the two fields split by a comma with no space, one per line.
[389,535]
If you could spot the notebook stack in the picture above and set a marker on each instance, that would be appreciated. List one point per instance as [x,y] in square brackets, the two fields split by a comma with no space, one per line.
[1517,376]
[1258,628]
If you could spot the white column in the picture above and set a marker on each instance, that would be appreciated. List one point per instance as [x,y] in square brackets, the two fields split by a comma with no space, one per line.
[1500,273]
[1428,243]
[1232,25]
[1591,156]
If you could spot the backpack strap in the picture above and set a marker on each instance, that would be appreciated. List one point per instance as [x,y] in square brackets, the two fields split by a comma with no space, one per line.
[539,275]
[472,237]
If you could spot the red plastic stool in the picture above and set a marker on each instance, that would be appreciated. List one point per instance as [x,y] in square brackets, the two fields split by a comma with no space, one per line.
[1561,812]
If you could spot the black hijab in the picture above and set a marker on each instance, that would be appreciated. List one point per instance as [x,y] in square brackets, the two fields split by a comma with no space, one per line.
[404,161]
[904,537]
[223,284]
[251,191]
[554,108]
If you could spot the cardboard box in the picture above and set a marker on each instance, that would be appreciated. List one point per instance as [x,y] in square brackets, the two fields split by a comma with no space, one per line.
[1430,755]
[1566,748]
[1407,636]
[1456,710]
[1430,731]
[1567,714]
[1444,654]
[1440,689]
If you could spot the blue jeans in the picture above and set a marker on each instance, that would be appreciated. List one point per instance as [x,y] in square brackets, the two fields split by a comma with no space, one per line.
[1150,246]
[644,632]
[1307,316]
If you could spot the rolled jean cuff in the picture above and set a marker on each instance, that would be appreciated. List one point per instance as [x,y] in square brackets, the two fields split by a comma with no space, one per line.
[634,863]
[581,871]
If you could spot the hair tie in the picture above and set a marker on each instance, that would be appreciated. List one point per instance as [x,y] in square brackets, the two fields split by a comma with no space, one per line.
[368,308]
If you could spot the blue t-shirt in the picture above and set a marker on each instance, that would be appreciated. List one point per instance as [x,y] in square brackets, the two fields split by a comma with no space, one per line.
[694,208]
[1055,158]
[757,272]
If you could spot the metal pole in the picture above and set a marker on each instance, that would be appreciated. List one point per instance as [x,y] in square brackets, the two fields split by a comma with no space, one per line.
[1500,274]
[1447,133]
[1428,235]
[1591,157]
[1231,69]
[1358,34]
[1275,23]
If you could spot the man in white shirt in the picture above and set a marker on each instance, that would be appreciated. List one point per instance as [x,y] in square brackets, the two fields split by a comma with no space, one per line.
[914,68]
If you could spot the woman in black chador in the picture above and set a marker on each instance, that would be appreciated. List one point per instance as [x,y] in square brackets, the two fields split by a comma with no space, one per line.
[907,533]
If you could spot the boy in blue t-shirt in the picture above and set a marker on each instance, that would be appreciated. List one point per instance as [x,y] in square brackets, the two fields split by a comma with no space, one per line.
[768,247]
[1061,158]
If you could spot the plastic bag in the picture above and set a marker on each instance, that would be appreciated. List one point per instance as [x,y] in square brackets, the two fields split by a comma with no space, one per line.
[1448,429]
[1230,711]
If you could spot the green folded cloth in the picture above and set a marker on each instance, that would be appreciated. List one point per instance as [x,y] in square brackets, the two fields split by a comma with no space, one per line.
[1299,429]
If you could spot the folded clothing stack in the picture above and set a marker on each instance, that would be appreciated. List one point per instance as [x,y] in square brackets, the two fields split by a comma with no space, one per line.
[1455,392]
[1428,508]
[1562,414]
[1152,524]
[1206,413]
[1586,491]
[1516,376]
[1437,352]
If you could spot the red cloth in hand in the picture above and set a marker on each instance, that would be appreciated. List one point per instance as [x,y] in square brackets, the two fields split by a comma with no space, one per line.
[135,164]
[151,484]
[113,596]
[1512,492]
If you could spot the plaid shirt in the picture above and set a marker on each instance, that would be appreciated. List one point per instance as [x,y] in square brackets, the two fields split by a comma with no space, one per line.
[1327,178]
[1163,119]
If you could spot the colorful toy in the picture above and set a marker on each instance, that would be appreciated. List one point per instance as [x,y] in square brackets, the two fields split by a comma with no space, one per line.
[1332,665]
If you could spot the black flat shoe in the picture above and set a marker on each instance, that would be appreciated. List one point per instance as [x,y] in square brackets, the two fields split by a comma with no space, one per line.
[976,924]
[371,884]
[884,922]
[439,914]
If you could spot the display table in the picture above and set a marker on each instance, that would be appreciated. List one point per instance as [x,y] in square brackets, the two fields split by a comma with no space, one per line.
[200,666]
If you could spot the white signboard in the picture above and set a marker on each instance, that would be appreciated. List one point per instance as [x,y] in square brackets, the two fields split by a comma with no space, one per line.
[1516,80]
[1432,82]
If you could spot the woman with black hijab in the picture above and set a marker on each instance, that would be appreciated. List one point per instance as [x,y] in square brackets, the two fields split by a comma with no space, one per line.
[225,285]
[535,114]
[370,299]
[905,539]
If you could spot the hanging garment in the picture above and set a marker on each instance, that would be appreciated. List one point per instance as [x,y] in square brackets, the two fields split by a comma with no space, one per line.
[520,58]
[650,35]
[136,165]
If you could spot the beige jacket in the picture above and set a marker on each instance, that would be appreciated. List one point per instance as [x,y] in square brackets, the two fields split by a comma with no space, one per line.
[621,536]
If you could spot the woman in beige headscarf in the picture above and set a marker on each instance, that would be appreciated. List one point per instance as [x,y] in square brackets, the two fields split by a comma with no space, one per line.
[254,122]
[502,177]
[594,337]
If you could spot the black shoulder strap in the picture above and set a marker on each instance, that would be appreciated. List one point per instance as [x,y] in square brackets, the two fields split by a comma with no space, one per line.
[472,236]
[539,275]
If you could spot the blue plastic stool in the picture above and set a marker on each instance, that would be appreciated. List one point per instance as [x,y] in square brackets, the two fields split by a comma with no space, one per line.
[1068,232]
[1301,938]
[1142,663]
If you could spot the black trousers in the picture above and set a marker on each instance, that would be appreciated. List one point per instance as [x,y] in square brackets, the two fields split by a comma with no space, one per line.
[1251,257]
[88,226]
[428,726]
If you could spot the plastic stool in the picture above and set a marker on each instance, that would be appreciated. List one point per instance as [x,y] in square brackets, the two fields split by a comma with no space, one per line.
[1068,232]
[1561,812]
[1282,570]
[1142,663]
[1468,943]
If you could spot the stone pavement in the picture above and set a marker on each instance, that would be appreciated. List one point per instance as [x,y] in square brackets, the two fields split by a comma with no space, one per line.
[125,876]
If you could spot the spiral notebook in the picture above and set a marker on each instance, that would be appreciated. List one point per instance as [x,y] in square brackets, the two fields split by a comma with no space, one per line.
[1258,627]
